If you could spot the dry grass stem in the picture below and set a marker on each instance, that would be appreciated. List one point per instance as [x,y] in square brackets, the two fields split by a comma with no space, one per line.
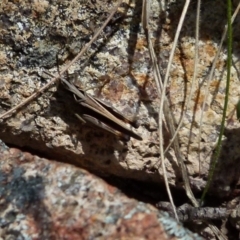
[157,77]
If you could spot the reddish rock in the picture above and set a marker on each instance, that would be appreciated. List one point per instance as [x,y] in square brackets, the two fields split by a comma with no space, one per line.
[42,199]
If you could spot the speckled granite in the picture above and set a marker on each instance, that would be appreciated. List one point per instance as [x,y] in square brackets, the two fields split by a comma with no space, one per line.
[42,199]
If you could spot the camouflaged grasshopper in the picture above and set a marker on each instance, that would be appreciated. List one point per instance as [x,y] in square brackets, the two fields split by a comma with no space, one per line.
[101,114]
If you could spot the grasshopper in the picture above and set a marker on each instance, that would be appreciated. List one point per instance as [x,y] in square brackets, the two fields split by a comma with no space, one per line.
[101,114]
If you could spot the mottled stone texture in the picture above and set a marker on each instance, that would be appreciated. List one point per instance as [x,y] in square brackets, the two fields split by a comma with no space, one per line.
[32,33]
[43,199]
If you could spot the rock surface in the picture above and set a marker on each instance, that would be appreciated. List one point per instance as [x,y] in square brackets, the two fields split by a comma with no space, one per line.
[43,199]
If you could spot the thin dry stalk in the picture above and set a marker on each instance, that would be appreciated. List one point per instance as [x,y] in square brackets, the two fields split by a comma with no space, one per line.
[157,77]
[161,111]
